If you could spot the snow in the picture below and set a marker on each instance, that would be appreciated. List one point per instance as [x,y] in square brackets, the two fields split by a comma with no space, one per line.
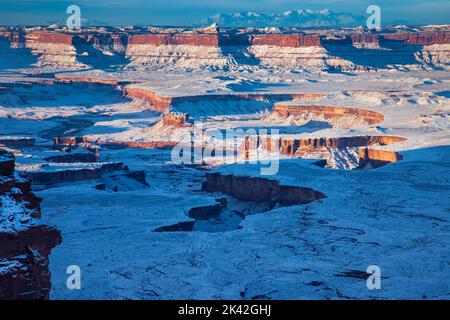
[396,216]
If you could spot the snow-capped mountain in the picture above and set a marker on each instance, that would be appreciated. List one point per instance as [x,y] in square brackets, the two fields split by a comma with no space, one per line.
[296,18]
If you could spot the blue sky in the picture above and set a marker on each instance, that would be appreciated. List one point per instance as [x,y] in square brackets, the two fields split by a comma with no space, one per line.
[187,12]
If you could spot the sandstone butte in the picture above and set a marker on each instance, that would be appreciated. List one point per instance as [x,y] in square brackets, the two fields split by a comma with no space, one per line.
[25,248]
[123,39]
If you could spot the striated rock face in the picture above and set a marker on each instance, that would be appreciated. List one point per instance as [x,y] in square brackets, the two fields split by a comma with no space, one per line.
[25,244]
[219,49]
[297,147]
[53,49]
[327,113]
[259,189]
[182,50]
[157,102]
[373,158]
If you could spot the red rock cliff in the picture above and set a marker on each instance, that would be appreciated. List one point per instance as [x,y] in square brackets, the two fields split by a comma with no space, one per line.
[25,246]
[374,158]
[421,39]
[205,40]
[295,147]
[286,40]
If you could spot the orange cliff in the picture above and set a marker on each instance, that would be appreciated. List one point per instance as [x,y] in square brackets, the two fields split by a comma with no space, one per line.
[160,39]
[374,158]
[158,103]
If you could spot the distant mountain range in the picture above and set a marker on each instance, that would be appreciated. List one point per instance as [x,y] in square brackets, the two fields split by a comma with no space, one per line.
[297,18]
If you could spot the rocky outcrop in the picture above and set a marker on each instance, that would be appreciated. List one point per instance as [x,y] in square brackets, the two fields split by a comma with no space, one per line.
[257,189]
[327,113]
[158,103]
[94,171]
[54,50]
[25,244]
[187,50]
[175,119]
[297,147]
[375,158]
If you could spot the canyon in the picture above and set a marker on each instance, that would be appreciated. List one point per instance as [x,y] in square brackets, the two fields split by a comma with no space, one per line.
[355,122]
[220,49]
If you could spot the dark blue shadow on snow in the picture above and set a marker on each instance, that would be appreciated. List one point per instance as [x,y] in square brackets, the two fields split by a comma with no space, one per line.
[15,58]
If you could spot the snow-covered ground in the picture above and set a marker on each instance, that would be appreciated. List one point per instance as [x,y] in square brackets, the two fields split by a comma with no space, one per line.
[396,217]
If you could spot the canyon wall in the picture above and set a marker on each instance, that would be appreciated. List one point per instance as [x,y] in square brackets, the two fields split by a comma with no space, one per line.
[259,189]
[25,244]
[374,158]
[298,146]
[228,49]
[52,49]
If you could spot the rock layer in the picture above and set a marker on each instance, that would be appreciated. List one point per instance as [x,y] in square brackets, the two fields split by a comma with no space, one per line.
[25,244]
[327,112]
[183,48]
[259,189]
[296,147]
[374,158]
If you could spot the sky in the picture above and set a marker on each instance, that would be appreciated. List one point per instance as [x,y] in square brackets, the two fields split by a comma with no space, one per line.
[188,12]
